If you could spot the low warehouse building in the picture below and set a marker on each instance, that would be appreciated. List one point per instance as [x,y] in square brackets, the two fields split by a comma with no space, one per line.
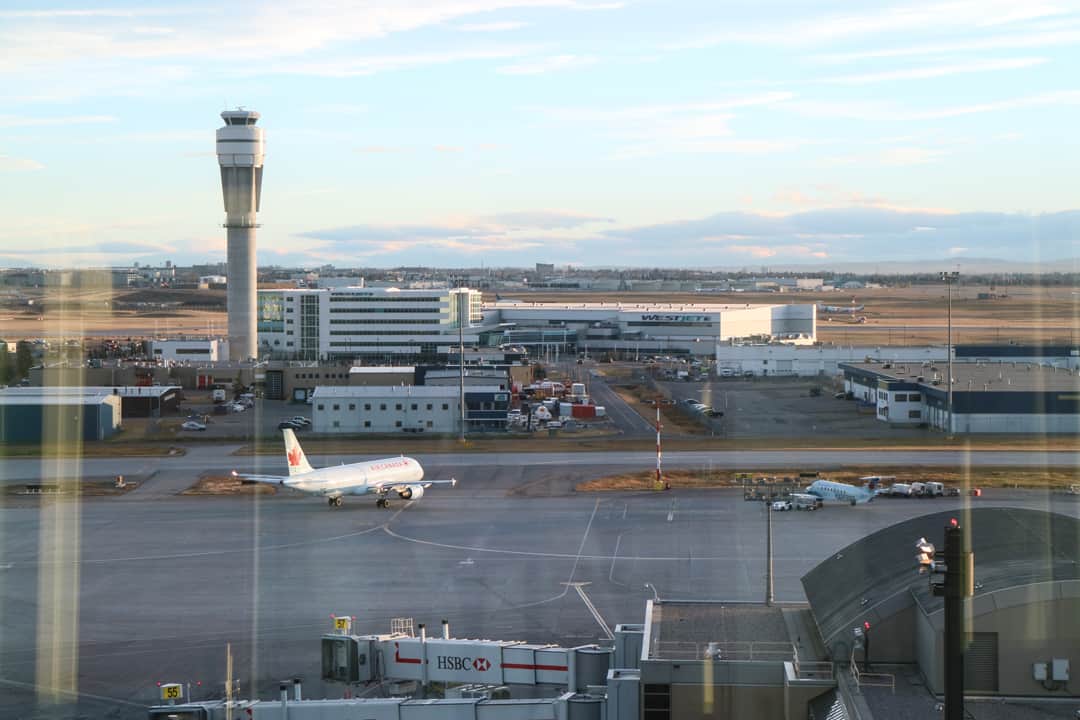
[986,398]
[782,360]
[135,400]
[58,417]
[406,408]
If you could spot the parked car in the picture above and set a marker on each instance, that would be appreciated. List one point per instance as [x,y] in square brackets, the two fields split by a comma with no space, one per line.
[192,425]
[301,420]
[781,506]
[952,492]
[289,425]
[554,425]
[727,372]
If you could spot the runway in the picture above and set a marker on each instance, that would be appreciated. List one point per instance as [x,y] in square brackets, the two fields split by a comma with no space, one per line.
[165,581]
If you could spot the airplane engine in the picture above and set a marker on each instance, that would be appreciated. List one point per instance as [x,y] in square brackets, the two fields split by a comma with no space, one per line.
[411,492]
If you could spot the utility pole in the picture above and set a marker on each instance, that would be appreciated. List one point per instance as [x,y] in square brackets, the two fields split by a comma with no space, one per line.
[461,368]
[959,581]
[949,277]
[768,554]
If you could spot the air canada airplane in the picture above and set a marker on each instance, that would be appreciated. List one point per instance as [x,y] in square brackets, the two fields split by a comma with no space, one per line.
[400,475]
[840,492]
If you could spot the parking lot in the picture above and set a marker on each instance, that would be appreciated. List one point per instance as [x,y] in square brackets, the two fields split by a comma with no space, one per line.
[783,408]
[260,420]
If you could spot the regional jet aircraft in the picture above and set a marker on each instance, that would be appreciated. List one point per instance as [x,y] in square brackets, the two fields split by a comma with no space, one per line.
[841,309]
[841,492]
[400,475]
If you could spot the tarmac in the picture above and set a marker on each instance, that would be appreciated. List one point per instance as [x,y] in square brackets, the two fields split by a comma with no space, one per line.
[167,582]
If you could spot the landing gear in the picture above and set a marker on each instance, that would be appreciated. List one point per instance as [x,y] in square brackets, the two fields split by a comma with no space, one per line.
[382,503]
[334,501]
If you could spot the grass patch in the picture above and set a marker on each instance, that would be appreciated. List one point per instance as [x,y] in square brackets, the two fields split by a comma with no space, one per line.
[674,417]
[91,450]
[216,484]
[983,477]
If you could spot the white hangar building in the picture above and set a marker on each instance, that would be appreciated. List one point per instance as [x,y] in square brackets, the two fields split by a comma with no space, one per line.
[693,329]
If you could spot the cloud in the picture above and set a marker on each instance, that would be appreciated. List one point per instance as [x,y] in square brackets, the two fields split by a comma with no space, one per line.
[692,127]
[892,21]
[10,121]
[265,31]
[934,71]
[763,251]
[884,111]
[489,27]
[103,248]
[1013,41]
[542,219]
[890,157]
[55,14]
[548,64]
[854,233]
[370,65]
[374,149]
[13,163]
[499,235]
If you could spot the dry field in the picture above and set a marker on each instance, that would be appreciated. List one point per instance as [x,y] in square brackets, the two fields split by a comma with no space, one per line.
[105,312]
[909,315]
[903,315]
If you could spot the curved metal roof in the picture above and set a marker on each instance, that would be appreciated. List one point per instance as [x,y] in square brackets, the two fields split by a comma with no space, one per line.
[878,573]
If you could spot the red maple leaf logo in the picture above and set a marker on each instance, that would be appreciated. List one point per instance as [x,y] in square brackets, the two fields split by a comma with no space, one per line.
[294,457]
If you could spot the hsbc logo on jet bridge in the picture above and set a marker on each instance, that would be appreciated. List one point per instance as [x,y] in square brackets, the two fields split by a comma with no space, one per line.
[678,318]
[462,662]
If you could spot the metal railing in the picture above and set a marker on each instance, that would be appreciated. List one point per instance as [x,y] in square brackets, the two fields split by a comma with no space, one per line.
[749,651]
[813,669]
[871,679]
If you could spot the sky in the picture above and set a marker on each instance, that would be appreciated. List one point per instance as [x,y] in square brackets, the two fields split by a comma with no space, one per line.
[581,132]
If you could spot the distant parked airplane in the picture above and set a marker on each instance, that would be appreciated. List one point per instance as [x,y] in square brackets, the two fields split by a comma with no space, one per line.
[840,309]
[401,475]
[840,492]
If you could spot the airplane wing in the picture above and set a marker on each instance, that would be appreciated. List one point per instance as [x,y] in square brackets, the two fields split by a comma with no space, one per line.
[452,482]
[253,477]
[396,486]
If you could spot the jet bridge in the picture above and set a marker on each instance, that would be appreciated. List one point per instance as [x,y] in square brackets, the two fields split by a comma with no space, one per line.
[350,658]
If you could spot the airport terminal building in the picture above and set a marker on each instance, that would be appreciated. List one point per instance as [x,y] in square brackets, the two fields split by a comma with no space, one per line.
[986,398]
[636,328]
[385,324]
[392,326]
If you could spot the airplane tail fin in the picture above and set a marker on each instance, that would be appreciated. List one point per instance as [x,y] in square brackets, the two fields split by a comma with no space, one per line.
[294,454]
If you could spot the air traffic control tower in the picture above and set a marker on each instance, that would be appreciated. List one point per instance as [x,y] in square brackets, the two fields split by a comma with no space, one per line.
[240,157]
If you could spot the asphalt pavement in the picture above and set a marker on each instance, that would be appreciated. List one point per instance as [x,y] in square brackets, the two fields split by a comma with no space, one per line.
[165,581]
[221,458]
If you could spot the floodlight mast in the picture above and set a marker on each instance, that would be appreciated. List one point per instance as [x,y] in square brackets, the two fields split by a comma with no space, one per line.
[949,278]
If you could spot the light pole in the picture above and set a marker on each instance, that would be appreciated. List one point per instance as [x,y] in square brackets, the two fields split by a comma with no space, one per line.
[461,365]
[949,278]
